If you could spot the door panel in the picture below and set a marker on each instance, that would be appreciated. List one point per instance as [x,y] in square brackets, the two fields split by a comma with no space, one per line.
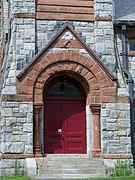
[75,126]
[65,130]
[53,123]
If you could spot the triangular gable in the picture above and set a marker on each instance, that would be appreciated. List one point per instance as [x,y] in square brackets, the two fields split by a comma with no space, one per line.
[54,40]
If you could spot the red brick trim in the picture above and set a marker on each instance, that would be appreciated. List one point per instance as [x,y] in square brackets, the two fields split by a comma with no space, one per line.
[24,15]
[65,10]
[98,85]
[104,156]
[116,156]
[95,109]
[17,98]
[131,53]
[68,44]
[65,16]
[103,19]
[16,156]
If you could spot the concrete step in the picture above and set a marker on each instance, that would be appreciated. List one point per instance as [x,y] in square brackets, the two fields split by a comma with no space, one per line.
[66,176]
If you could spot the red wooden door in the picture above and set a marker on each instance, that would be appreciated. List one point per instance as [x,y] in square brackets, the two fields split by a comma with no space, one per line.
[65,126]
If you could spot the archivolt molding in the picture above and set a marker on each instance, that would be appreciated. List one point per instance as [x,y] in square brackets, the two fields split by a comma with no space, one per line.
[77,71]
[101,87]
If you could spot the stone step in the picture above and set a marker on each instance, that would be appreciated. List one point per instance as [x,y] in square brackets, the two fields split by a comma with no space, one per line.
[70,161]
[69,167]
[67,176]
[71,171]
[66,155]
[66,164]
[67,158]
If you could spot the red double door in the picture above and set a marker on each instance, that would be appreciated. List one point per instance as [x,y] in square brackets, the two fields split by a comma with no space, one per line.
[65,126]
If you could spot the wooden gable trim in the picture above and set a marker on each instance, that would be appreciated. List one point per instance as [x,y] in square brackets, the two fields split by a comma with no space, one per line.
[89,51]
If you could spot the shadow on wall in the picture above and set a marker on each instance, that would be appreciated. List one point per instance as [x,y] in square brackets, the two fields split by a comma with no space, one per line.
[125,10]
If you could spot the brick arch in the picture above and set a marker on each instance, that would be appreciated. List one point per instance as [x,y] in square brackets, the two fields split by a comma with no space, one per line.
[101,86]
[72,68]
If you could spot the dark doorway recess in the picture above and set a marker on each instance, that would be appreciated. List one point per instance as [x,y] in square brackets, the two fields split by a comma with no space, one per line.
[65,117]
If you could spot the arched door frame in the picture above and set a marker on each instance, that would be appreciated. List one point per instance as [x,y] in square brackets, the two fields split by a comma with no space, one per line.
[91,116]
[72,91]
[88,73]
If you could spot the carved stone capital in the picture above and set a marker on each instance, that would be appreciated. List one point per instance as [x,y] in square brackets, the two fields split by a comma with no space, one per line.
[95,108]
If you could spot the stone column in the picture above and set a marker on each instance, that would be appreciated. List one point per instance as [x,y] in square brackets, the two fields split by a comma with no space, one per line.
[95,108]
[37,149]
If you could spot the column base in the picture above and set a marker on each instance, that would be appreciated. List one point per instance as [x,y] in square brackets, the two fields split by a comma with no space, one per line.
[38,153]
[96,153]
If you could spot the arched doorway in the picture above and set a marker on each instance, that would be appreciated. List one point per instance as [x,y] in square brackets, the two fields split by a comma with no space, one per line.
[65,117]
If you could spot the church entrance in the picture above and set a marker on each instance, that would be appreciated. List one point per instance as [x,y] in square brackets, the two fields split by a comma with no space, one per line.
[65,117]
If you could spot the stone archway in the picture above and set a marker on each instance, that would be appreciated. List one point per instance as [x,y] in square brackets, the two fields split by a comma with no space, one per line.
[102,87]
[98,83]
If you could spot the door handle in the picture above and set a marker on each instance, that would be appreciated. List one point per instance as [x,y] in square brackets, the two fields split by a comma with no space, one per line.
[62,136]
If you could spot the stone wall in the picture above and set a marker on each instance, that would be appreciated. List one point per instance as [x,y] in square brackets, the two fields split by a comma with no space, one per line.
[115,128]
[46,30]
[23,6]
[103,8]
[17,127]
[104,43]
[104,33]
[20,52]
[10,166]
[25,42]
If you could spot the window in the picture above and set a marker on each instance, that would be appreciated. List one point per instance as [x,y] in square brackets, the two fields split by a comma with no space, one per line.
[64,86]
[132,45]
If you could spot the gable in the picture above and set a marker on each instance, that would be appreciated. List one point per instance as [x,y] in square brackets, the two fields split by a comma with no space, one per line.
[66,39]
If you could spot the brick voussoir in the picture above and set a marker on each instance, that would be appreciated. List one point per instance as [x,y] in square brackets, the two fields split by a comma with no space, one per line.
[66,55]
[38,85]
[89,76]
[89,63]
[44,62]
[59,57]
[50,71]
[33,74]
[38,67]
[74,56]
[95,69]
